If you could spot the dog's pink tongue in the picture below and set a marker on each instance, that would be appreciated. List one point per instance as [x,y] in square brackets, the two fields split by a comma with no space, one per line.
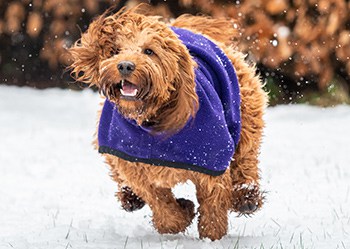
[129,89]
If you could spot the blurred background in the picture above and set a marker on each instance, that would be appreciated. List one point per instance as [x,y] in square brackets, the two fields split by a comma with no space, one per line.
[301,48]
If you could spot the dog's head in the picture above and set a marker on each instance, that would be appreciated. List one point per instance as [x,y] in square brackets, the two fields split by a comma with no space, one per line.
[138,63]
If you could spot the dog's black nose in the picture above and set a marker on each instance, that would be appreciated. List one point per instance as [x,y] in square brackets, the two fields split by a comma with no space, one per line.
[126,67]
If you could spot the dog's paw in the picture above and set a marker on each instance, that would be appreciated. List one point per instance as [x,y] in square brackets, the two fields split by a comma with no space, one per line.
[247,199]
[188,206]
[173,217]
[130,201]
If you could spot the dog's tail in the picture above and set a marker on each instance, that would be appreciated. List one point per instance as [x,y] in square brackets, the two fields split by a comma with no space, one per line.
[221,30]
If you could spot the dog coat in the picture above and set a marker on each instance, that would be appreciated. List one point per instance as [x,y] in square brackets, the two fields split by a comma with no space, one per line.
[207,143]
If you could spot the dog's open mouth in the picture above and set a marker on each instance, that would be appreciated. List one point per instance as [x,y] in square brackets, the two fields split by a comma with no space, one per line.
[128,89]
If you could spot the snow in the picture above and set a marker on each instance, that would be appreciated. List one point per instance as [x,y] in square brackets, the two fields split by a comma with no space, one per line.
[55,190]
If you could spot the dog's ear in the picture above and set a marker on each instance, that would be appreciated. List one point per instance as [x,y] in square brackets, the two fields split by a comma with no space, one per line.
[85,55]
[183,103]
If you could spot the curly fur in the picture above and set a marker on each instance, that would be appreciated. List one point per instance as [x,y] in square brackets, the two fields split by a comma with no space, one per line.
[167,100]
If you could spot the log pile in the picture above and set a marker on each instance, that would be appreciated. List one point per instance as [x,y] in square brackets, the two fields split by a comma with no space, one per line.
[301,43]
[34,35]
[307,42]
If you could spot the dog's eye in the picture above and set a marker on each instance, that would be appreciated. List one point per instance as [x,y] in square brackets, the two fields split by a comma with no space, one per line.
[114,51]
[148,51]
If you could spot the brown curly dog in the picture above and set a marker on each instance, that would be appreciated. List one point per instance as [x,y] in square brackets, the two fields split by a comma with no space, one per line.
[149,76]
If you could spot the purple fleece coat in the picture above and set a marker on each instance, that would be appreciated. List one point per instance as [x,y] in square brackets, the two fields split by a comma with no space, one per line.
[207,143]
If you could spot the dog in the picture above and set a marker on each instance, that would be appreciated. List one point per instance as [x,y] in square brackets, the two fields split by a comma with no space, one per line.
[181,103]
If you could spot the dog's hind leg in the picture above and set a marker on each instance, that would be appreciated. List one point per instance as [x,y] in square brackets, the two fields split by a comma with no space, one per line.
[247,198]
[214,194]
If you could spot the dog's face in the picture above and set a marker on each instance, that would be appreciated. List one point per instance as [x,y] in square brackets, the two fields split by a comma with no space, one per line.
[138,63]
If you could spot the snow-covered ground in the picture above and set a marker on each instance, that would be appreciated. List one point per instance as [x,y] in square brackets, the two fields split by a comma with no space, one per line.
[55,191]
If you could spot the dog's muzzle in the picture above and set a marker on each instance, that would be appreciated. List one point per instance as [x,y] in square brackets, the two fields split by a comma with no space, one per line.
[128,89]
[125,68]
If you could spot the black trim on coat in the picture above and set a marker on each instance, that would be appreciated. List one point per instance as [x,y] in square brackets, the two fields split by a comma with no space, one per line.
[158,162]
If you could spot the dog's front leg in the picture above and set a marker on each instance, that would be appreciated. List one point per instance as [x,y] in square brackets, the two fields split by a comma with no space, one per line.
[129,200]
[214,203]
[170,215]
